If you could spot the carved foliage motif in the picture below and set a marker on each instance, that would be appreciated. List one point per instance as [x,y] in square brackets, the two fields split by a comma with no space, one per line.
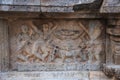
[59,41]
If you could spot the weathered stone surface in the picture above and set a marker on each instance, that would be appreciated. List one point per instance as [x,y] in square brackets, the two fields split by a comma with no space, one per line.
[58,67]
[4,48]
[20,8]
[6,1]
[55,75]
[63,2]
[112,71]
[26,2]
[117,58]
[56,9]
[60,75]
[111,6]
[45,5]
[114,31]
[45,2]
[94,6]
[53,45]
[23,15]
[20,5]
[98,75]
[20,2]
[65,5]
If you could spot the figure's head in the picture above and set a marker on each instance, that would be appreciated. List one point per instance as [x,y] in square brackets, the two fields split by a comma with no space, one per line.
[24,28]
[45,27]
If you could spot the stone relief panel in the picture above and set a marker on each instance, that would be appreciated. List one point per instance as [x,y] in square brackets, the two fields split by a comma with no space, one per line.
[49,43]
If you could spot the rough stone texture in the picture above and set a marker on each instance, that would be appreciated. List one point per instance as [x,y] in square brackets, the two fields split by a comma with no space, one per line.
[20,8]
[97,75]
[56,9]
[4,51]
[20,2]
[20,5]
[63,75]
[64,5]
[94,6]
[41,5]
[63,2]
[68,48]
[26,15]
[112,71]
[111,6]
[113,44]
[45,2]
[117,59]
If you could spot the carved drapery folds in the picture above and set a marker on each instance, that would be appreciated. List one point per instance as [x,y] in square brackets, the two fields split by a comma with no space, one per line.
[58,42]
[112,66]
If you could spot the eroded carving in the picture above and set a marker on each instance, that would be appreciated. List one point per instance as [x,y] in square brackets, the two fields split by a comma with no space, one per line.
[59,41]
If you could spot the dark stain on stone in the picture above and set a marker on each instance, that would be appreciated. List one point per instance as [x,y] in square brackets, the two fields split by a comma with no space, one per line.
[88,6]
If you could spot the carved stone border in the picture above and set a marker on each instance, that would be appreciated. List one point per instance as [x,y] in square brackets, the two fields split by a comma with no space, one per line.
[4,47]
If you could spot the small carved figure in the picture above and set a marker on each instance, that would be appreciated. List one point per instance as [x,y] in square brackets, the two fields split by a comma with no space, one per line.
[23,42]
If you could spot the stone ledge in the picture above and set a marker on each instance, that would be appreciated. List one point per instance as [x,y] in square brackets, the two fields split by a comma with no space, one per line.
[40,5]
[17,8]
[64,2]
[20,2]
[54,75]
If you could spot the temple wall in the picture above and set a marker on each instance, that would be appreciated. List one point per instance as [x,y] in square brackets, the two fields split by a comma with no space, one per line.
[60,39]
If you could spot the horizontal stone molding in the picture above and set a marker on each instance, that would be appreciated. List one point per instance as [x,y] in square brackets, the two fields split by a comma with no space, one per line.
[55,75]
